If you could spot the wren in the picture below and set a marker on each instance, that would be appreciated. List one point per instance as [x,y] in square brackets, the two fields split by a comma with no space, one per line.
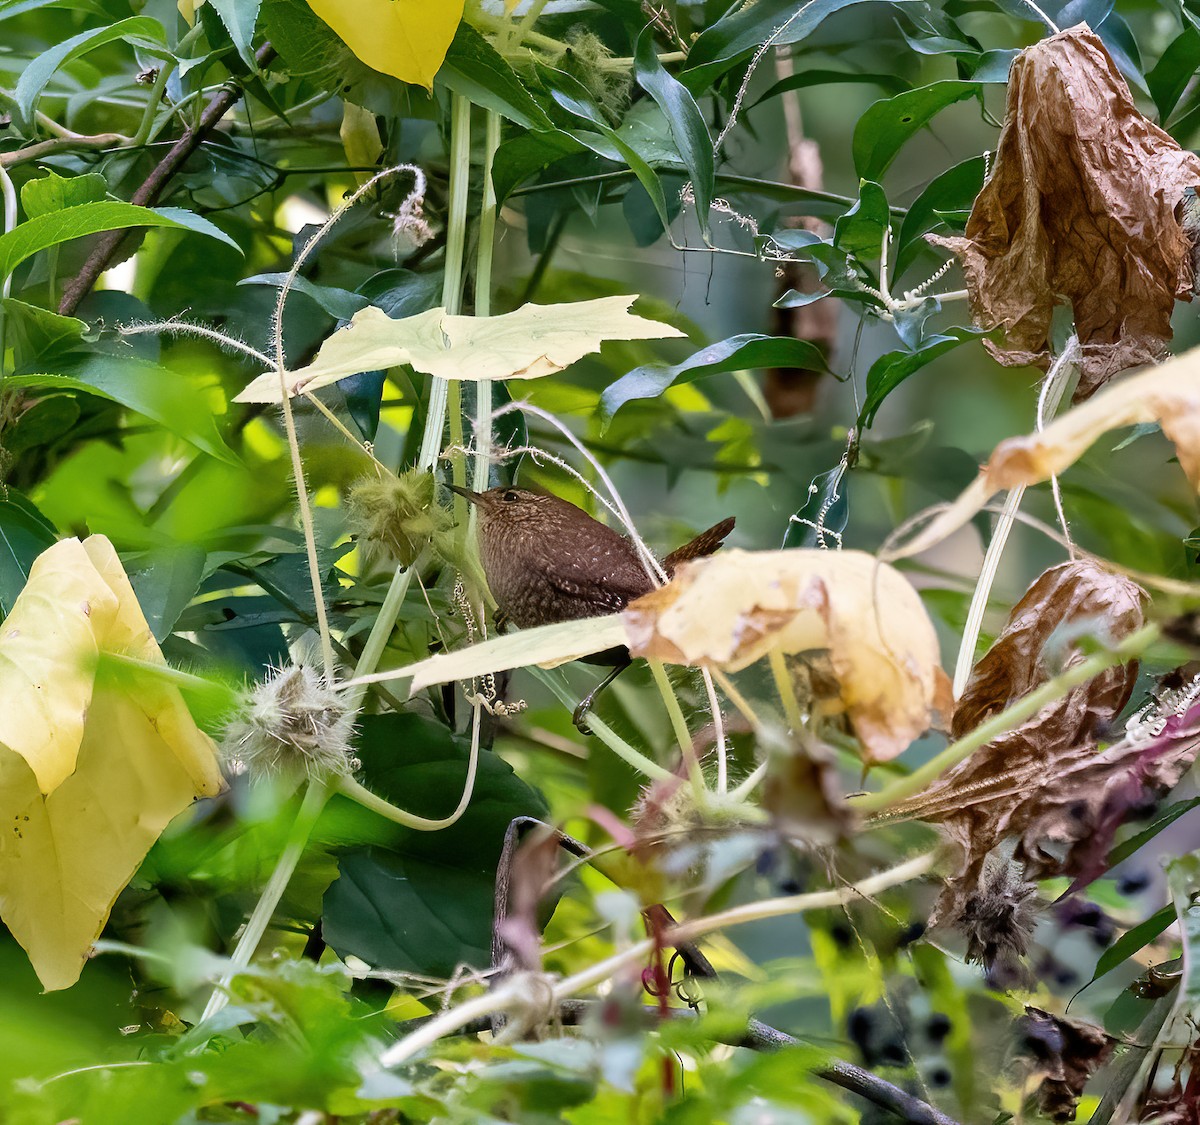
[546,561]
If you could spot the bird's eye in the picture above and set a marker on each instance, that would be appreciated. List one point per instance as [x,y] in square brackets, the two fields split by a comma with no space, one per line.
[510,496]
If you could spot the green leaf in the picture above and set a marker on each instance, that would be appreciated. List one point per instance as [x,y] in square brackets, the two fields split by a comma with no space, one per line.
[887,125]
[953,190]
[52,192]
[477,71]
[240,18]
[1174,70]
[690,134]
[35,76]
[781,22]
[56,227]
[144,387]
[1183,881]
[42,423]
[823,518]
[24,534]
[165,581]
[37,332]
[573,96]
[1126,848]
[1132,940]
[803,79]
[860,230]
[892,368]
[737,353]
[422,903]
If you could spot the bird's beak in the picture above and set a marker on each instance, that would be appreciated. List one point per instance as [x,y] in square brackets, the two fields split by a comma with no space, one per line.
[473,497]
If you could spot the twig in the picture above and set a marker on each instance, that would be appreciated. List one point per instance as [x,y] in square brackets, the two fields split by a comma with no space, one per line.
[154,184]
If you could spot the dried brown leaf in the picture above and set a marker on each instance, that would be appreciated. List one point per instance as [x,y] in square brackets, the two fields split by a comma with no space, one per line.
[1081,205]
[1067,1053]
[732,609]
[1042,782]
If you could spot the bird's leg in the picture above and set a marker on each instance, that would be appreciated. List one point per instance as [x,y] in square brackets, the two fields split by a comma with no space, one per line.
[579,717]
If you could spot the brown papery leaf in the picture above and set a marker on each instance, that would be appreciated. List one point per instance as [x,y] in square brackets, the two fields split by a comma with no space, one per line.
[1081,205]
[1017,784]
[859,614]
[1066,1053]
[1168,394]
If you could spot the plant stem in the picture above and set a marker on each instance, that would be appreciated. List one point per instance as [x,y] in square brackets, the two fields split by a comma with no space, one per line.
[786,689]
[682,735]
[501,998]
[306,819]
[381,630]
[9,192]
[456,235]
[606,734]
[483,298]
[348,787]
[1025,707]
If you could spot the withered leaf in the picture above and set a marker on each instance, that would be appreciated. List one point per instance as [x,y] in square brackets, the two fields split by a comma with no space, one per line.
[1168,395]
[1081,205]
[1042,782]
[732,609]
[1067,1053]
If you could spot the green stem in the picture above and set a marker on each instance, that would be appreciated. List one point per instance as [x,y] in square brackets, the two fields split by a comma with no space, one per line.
[9,193]
[605,733]
[1025,707]
[456,237]
[381,630]
[483,300]
[156,94]
[310,809]
[682,735]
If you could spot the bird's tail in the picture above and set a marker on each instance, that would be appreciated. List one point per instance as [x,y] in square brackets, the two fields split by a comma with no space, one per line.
[704,544]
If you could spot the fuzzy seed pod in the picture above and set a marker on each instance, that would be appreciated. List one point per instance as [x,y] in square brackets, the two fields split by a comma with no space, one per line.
[399,516]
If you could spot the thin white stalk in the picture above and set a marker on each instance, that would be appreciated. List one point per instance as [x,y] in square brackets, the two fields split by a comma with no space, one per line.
[381,630]
[513,994]
[9,192]
[714,705]
[456,226]
[1050,397]
[483,303]
[348,787]
[310,809]
[285,404]
[185,328]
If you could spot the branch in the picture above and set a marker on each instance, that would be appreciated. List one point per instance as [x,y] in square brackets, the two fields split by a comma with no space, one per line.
[154,184]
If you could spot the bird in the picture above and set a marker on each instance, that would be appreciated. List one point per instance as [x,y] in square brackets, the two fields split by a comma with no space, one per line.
[546,561]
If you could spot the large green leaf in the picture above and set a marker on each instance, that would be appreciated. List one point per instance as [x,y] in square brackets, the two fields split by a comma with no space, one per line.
[687,125]
[860,230]
[887,125]
[1132,940]
[892,368]
[144,387]
[803,79]
[24,534]
[952,191]
[56,227]
[141,29]
[421,901]
[476,70]
[737,353]
[53,192]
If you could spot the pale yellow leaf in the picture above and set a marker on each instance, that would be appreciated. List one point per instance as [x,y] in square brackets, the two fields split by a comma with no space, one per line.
[93,765]
[736,607]
[360,138]
[407,39]
[1168,394]
[547,646]
[535,340]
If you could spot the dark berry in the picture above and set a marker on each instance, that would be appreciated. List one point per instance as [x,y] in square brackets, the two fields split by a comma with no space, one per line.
[938,1027]
[939,1077]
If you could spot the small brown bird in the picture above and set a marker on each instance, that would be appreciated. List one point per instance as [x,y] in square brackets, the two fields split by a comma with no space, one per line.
[547,560]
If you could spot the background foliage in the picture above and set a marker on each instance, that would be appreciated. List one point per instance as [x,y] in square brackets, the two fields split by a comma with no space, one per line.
[805,131]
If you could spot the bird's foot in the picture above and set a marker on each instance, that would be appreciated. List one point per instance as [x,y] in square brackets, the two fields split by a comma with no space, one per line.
[579,718]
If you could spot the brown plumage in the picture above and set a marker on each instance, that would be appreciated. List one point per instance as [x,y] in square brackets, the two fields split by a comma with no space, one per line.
[547,560]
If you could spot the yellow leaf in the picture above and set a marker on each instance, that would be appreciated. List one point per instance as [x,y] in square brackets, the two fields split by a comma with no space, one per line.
[407,39]
[360,138]
[1168,394]
[92,766]
[737,606]
[535,340]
